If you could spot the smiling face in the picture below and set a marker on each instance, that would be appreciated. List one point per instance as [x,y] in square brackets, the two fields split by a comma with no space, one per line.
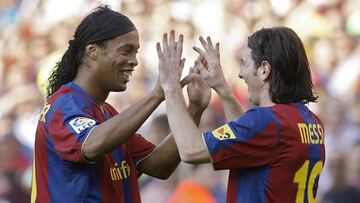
[250,74]
[116,61]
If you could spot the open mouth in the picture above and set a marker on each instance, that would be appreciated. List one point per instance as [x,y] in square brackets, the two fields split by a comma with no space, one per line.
[126,75]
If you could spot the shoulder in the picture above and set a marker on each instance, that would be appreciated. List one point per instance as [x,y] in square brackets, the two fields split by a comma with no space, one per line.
[66,102]
[110,108]
[259,113]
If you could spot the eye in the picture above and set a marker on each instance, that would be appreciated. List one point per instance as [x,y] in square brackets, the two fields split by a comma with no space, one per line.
[125,52]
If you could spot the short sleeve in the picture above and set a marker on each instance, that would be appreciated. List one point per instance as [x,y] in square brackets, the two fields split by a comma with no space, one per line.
[68,127]
[248,142]
[139,147]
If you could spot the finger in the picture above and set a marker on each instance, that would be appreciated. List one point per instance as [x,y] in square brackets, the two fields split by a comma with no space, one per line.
[172,40]
[191,70]
[202,60]
[199,66]
[209,42]
[187,79]
[179,46]
[204,43]
[196,69]
[182,63]
[202,70]
[159,52]
[199,58]
[201,52]
[165,44]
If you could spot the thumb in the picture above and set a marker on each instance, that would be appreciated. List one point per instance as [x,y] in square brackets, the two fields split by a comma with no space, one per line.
[191,70]
[187,79]
[199,67]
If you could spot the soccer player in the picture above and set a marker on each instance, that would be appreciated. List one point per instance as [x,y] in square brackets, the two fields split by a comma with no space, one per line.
[275,151]
[85,151]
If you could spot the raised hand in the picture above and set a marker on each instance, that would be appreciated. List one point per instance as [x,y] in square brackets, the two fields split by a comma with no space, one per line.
[198,91]
[211,71]
[209,65]
[170,62]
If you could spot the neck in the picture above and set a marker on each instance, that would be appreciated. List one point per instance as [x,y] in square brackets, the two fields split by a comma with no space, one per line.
[267,103]
[265,99]
[84,80]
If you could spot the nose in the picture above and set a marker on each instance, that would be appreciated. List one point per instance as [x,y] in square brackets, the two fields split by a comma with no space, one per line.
[133,61]
[240,75]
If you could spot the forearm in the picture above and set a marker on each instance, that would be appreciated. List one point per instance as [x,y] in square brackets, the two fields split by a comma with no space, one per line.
[164,160]
[195,113]
[230,104]
[186,133]
[115,131]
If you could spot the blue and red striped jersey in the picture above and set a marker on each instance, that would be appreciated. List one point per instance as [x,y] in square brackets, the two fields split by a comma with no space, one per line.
[274,154]
[60,173]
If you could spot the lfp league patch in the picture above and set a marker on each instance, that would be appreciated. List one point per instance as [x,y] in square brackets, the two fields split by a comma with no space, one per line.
[81,123]
[223,133]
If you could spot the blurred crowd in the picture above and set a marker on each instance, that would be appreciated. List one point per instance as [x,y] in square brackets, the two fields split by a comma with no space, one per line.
[35,33]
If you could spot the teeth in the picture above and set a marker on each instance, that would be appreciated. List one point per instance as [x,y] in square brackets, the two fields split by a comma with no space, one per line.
[127,74]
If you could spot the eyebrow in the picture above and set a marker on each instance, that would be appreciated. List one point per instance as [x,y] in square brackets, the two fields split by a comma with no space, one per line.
[131,46]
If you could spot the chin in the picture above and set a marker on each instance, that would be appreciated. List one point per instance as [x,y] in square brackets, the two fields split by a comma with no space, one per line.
[253,102]
[121,88]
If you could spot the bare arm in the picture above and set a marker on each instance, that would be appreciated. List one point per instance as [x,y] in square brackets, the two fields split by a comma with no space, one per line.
[165,158]
[186,133]
[112,133]
[163,161]
[213,75]
[230,104]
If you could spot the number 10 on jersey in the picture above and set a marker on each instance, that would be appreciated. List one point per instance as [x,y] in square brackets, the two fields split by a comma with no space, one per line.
[305,182]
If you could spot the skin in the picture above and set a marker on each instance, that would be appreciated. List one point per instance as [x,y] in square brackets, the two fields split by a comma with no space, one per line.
[187,135]
[255,78]
[106,69]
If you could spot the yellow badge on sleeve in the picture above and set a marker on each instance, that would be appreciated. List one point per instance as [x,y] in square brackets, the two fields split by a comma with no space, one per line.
[224,133]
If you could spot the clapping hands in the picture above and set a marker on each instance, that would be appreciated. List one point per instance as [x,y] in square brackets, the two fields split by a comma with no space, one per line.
[206,73]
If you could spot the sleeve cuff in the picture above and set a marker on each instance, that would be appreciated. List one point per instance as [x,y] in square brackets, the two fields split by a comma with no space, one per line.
[207,149]
[140,160]
[86,160]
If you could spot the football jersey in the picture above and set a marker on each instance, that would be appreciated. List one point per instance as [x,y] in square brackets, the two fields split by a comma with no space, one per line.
[274,154]
[60,173]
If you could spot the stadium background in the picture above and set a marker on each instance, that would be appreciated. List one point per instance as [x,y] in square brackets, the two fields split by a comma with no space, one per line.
[34,34]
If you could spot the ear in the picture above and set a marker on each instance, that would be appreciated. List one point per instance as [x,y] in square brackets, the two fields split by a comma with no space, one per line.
[264,70]
[91,50]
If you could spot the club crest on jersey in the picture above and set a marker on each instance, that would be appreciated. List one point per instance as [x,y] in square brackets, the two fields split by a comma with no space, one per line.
[224,133]
[81,123]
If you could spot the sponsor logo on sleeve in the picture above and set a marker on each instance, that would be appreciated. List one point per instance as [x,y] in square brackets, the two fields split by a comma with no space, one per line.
[224,133]
[81,123]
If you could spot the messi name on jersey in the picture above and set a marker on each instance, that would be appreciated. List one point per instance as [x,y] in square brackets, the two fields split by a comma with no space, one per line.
[81,123]
[311,133]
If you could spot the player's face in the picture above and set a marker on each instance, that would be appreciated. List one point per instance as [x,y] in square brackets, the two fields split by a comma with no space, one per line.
[248,72]
[117,61]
